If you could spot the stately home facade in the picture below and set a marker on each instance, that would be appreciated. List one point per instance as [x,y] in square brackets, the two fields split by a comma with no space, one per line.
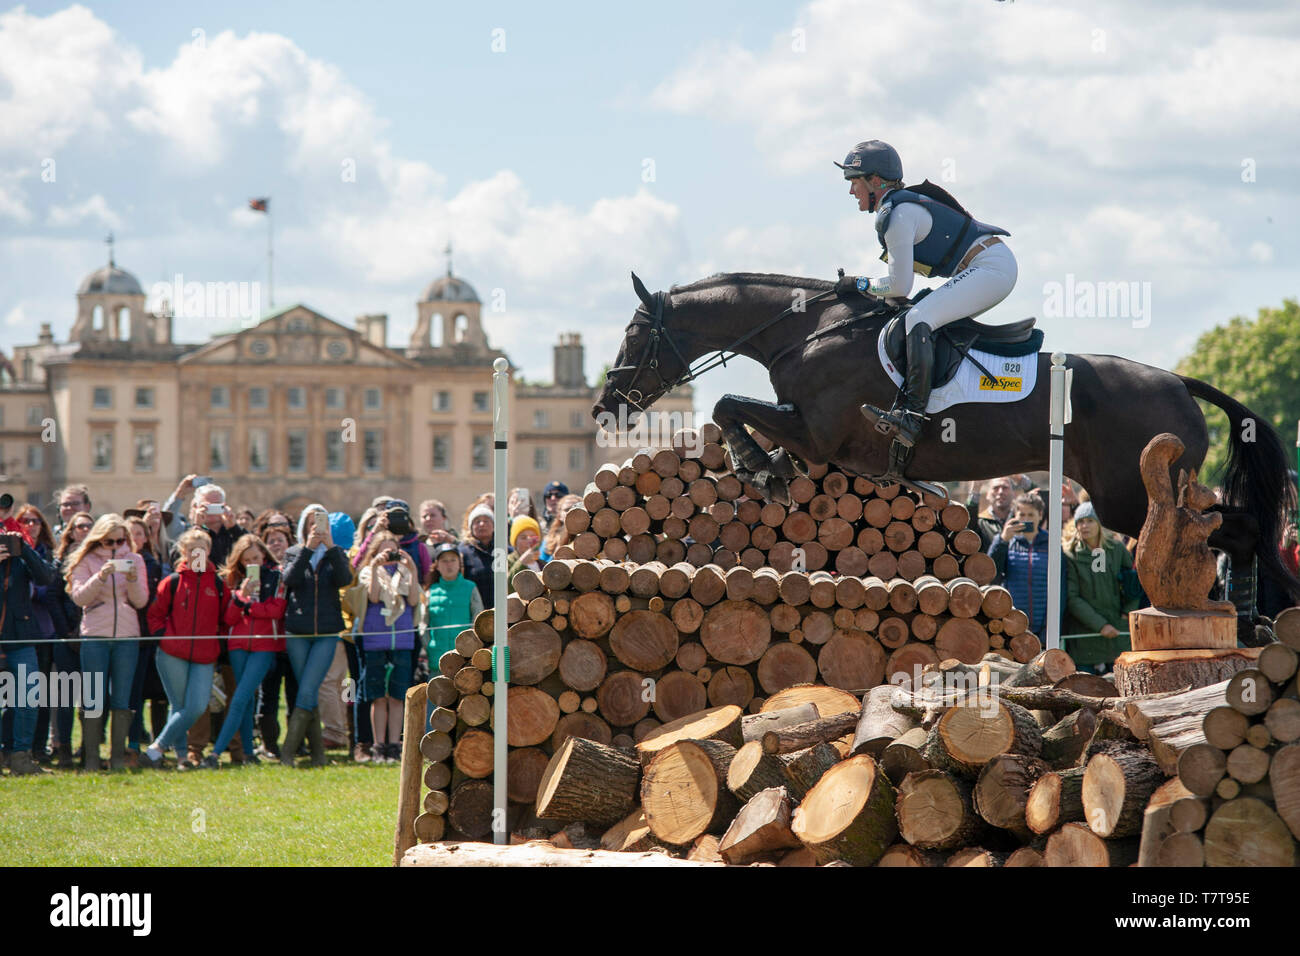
[295,408]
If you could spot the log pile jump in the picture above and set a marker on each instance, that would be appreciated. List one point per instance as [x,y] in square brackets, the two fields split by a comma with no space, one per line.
[703,678]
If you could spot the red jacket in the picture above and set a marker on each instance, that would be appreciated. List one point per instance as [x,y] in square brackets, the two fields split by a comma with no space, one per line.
[190,605]
[249,622]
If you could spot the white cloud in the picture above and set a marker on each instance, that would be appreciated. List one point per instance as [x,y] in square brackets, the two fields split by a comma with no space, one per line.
[96,208]
[1260,252]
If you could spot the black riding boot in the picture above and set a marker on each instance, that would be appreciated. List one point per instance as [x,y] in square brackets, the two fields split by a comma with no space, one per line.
[916,390]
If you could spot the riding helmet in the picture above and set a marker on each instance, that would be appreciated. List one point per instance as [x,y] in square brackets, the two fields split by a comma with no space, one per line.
[870,157]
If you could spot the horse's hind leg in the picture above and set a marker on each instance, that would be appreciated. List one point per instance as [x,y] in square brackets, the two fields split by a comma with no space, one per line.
[780,424]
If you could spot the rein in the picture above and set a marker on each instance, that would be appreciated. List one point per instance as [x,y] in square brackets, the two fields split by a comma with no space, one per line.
[658,331]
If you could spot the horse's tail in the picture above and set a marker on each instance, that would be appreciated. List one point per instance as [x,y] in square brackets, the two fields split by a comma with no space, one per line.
[1256,479]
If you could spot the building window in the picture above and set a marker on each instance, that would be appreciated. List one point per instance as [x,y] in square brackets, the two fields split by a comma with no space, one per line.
[258,398]
[103,397]
[333,398]
[576,421]
[480,461]
[442,453]
[28,367]
[144,398]
[220,397]
[2,416]
[35,413]
[575,459]
[102,451]
[297,397]
[374,400]
[143,451]
[334,450]
[35,457]
[219,450]
[541,459]
[259,449]
[541,418]
[442,401]
[373,459]
[481,403]
[297,457]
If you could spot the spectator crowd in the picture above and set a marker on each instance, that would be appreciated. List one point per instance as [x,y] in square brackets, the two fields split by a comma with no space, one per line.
[206,619]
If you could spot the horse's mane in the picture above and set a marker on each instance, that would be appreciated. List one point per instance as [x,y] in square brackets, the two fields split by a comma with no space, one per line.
[734,279]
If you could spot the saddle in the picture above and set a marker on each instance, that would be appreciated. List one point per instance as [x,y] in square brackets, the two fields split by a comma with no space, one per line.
[953,342]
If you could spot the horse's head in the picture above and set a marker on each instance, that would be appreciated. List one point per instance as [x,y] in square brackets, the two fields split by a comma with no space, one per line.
[650,362]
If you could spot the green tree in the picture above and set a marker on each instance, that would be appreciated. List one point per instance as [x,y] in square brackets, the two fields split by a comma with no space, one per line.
[1256,362]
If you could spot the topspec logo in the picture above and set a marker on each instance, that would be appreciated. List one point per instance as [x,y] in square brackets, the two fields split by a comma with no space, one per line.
[77,909]
[648,430]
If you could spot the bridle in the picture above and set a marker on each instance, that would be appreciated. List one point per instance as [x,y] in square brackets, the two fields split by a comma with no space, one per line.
[659,334]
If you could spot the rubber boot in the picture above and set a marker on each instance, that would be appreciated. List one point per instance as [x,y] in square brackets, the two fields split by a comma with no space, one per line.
[21,764]
[297,729]
[92,729]
[118,730]
[316,740]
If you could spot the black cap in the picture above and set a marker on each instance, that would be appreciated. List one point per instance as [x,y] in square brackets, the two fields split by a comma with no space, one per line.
[441,549]
[6,500]
[554,486]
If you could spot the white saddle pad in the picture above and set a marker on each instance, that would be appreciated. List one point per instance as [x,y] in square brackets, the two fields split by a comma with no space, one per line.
[1015,379]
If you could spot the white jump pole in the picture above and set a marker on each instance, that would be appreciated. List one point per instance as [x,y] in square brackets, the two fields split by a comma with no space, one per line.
[1056,464]
[500,643]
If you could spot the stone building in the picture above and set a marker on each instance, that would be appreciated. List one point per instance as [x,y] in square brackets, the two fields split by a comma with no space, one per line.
[293,409]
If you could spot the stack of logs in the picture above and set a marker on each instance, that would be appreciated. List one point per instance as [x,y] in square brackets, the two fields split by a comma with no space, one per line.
[684,504]
[1021,772]
[609,652]
[1235,747]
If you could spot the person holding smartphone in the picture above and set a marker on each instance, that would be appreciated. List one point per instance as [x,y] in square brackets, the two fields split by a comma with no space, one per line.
[110,583]
[387,638]
[21,571]
[316,569]
[187,613]
[1020,552]
[255,616]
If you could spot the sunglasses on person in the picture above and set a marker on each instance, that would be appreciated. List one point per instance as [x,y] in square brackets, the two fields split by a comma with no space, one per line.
[113,542]
[82,527]
[554,494]
[30,519]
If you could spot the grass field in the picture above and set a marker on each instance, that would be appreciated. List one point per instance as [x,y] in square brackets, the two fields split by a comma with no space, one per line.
[266,815]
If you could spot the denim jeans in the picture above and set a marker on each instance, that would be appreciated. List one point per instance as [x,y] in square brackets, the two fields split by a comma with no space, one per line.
[115,659]
[311,658]
[24,717]
[249,667]
[67,660]
[189,688]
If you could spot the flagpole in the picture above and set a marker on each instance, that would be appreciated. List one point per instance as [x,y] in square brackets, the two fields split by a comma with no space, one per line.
[270,275]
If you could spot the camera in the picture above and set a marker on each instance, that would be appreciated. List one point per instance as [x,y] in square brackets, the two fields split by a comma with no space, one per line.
[253,572]
[399,521]
[124,565]
[215,509]
[393,555]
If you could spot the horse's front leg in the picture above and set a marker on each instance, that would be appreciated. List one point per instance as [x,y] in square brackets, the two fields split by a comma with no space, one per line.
[780,424]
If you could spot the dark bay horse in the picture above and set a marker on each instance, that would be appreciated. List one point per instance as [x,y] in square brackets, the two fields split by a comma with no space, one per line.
[820,382]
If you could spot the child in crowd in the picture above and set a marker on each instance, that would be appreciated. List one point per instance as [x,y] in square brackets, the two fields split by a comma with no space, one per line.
[387,638]
[525,538]
[454,602]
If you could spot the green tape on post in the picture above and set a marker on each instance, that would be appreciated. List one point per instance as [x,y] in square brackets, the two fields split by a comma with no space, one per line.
[500,656]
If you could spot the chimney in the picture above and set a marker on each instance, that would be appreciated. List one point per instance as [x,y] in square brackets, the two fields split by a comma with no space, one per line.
[569,361]
[374,329]
[47,334]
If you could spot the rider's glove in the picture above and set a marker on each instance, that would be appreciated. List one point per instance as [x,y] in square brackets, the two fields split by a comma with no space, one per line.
[847,288]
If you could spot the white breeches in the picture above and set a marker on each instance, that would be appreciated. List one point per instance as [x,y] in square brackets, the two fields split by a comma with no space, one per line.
[984,283]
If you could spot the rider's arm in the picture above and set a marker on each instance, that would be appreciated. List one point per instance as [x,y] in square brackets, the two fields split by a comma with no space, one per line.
[907,224]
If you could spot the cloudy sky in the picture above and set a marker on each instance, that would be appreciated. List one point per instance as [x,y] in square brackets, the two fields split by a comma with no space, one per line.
[559,146]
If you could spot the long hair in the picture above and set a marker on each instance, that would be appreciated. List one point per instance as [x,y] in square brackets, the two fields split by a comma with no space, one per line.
[104,528]
[557,535]
[66,544]
[43,534]
[233,571]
